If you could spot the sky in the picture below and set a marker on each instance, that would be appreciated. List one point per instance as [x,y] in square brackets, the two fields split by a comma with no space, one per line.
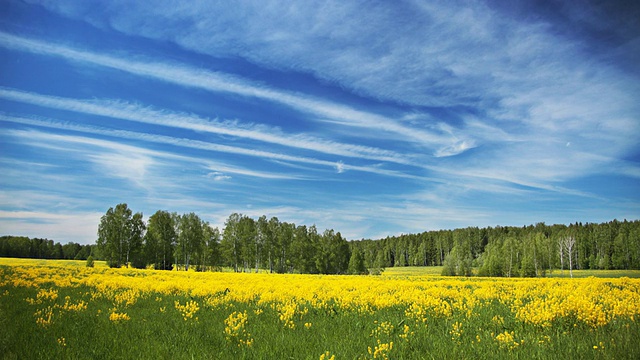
[372,118]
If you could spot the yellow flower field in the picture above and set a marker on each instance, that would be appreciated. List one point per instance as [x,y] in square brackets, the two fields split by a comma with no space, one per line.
[592,301]
[465,306]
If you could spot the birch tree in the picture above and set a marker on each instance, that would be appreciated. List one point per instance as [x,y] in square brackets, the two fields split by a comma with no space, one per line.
[568,244]
[160,240]
[190,239]
[120,235]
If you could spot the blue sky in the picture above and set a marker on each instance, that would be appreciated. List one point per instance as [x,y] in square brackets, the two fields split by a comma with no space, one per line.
[372,118]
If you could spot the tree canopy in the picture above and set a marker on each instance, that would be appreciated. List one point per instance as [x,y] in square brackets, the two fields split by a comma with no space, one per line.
[530,250]
[169,240]
[245,244]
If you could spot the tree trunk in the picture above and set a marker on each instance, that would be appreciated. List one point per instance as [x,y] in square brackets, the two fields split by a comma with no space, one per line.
[510,261]
[535,260]
[257,257]
[569,242]
[561,246]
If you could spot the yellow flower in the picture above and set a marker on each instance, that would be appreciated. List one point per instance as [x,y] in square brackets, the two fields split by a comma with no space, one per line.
[506,340]
[235,330]
[187,310]
[381,351]
[327,356]
[117,317]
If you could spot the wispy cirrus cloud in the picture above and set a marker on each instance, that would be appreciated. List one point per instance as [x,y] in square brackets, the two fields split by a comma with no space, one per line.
[433,53]
[539,105]
[219,82]
[188,143]
[149,115]
[372,118]
[120,160]
[443,54]
[220,172]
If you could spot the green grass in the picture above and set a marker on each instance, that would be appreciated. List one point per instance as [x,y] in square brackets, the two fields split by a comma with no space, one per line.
[595,273]
[437,271]
[152,334]
[413,271]
[46,262]
[157,330]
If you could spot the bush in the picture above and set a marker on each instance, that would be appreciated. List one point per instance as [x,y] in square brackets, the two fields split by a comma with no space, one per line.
[90,261]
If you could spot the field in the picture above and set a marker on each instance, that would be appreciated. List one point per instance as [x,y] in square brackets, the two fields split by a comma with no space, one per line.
[53,310]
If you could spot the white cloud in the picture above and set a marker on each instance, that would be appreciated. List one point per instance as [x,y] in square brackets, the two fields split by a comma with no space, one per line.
[218,176]
[219,170]
[148,115]
[524,81]
[455,149]
[188,143]
[129,166]
[537,109]
[63,227]
[218,82]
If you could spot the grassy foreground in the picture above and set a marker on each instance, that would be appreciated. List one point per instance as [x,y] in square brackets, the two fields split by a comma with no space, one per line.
[437,270]
[53,310]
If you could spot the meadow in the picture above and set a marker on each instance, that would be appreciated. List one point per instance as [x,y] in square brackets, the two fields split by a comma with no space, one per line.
[61,309]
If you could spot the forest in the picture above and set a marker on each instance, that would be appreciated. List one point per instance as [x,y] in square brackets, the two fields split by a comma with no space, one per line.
[169,240]
[36,248]
[245,244]
[530,250]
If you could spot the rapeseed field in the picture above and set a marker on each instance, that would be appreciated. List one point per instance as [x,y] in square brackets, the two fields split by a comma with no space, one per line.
[58,310]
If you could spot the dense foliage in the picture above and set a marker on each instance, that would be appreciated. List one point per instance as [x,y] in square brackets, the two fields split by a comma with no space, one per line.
[511,251]
[245,244]
[24,247]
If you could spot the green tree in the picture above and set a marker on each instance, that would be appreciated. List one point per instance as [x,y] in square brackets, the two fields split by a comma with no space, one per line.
[271,230]
[356,263]
[248,248]
[160,240]
[303,248]
[211,251]
[119,235]
[492,260]
[230,245]
[284,237]
[190,239]
[325,256]
[134,247]
[458,262]
[261,240]
[332,256]
[511,255]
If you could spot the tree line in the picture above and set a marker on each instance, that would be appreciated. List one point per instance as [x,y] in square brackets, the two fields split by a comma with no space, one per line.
[511,251]
[36,248]
[185,241]
[168,240]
